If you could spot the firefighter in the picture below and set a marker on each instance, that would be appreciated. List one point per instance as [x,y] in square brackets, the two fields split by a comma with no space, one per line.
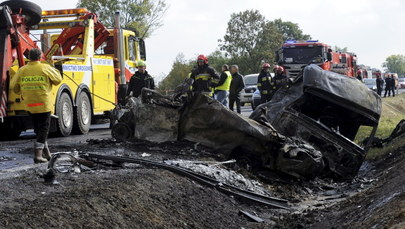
[264,83]
[280,79]
[237,85]
[204,76]
[222,89]
[34,82]
[139,80]
[359,77]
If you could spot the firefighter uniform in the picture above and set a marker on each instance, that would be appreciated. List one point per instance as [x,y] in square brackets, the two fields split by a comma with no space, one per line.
[265,85]
[205,77]
[138,81]
[279,81]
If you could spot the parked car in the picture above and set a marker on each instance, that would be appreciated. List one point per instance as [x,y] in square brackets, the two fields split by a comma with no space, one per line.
[256,99]
[371,83]
[250,87]
[401,82]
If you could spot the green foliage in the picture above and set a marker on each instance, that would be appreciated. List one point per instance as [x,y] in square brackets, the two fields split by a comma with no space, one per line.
[180,71]
[395,64]
[290,31]
[217,59]
[144,16]
[250,39]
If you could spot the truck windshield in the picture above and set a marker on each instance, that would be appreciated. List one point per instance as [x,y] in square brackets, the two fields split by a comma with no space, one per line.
[301,54]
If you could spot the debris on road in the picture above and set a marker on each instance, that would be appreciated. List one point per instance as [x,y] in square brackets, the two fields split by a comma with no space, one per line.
[251,216]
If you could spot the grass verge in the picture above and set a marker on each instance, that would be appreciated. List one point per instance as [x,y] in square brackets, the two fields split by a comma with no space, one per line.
[393,111]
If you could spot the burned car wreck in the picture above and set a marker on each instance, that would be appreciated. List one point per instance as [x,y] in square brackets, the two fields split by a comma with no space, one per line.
[305,131]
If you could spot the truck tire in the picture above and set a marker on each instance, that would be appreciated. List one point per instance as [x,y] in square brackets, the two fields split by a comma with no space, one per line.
[31,10]
[82,118]
[64,111]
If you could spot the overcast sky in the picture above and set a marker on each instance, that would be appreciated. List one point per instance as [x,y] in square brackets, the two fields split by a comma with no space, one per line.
[373,29]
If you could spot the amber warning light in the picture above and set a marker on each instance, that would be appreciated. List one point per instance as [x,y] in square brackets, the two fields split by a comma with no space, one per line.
[64,12]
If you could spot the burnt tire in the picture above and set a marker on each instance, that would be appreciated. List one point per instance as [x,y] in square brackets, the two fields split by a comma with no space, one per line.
[82,117]
[121,132]
[64,111]
[247,160]
[30,10]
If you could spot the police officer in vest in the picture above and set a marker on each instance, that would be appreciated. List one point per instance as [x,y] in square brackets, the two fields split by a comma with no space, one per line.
[34,82]
[204,76]
[222,88]
[264,83]
[139,80]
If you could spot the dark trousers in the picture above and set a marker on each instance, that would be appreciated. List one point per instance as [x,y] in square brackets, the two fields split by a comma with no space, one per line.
[41,122]
[389,89]
[234,99]
[264,98]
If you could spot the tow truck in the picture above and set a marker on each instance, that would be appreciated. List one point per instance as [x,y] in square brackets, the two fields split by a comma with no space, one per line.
[294,55]
[95,62]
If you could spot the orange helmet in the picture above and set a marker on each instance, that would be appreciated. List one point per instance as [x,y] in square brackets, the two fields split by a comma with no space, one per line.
[202,57]
[266,65]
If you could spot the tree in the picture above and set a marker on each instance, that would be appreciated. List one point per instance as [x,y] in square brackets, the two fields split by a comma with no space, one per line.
[144,16]
[395,64]
[180,71]
[290,31]
[250,40]
[217,59]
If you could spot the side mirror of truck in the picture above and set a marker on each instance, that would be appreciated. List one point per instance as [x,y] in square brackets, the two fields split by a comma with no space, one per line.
[142,49]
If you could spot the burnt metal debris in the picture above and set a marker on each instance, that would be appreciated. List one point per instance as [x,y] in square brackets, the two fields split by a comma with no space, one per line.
[398,132]
[91,158]
[306,130]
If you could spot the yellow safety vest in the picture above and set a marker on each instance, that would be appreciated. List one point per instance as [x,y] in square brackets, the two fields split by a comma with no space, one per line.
[34,82]
[227,84]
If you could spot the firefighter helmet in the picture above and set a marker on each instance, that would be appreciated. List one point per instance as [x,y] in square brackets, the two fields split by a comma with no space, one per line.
[140,63]
[202,57]
[278,68]
[266,65]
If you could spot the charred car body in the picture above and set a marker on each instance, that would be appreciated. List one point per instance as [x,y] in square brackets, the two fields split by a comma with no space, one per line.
[279,136]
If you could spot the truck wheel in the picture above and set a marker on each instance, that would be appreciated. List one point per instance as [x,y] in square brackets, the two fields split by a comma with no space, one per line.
[64,111]
[82,115]
[31,10]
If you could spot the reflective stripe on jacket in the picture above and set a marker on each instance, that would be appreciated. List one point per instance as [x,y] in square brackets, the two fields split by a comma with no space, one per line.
[34,82]
[227,84]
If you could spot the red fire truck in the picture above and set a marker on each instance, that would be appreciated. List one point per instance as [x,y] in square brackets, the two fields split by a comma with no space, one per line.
[295,55]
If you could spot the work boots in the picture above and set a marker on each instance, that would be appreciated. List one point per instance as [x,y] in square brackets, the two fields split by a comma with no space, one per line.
[39,149]
[46,153]
[38,156]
